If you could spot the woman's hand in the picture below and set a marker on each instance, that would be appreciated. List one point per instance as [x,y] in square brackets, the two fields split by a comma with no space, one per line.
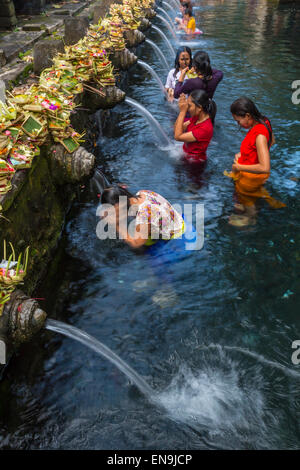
[236,157]
[170,95]
[183,74]
[183,103]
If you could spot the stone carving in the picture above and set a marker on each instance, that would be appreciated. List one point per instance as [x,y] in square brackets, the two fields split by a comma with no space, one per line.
[123,60]
[25,318]
[133,37]
[70,167]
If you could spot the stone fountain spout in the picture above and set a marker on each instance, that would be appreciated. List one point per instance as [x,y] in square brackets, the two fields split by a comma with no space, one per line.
[70,167]
[133,37]
[123,60]
[24,318]
[110,96]
[149,13]
[145,24]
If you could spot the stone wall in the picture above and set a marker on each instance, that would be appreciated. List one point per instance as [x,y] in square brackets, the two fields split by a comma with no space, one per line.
[7,14]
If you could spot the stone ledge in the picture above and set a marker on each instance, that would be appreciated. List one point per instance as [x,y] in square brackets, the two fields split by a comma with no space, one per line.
[19,41]
[13,72]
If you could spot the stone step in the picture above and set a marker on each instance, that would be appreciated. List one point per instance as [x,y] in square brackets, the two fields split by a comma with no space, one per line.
[19,41]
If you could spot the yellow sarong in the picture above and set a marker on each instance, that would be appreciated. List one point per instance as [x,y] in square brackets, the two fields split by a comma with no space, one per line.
[249,187]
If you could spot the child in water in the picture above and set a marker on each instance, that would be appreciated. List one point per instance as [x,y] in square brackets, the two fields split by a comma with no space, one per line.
[188,24]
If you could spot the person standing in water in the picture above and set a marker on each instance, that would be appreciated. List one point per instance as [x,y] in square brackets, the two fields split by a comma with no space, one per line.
[251,167]
[197,131]
[188,24]
[207,78]
[183,59]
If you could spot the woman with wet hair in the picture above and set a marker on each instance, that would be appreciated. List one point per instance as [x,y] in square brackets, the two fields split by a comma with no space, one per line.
[155,218]
[197,131]
[183,59]
[207,78]
[251,167]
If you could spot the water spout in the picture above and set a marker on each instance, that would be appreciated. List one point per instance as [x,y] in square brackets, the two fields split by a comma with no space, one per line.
[159,53]
[168,26]
[92,343]
[175,4]
[163,36]
[153,73]
[158,132]
[169,18]
[169,6]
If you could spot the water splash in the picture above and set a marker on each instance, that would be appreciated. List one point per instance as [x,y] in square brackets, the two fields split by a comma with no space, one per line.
[158,132]
[213,403]
[159,53]
[164,37]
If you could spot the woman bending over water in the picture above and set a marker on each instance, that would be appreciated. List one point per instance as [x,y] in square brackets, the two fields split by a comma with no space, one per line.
[197,132]
[251,167]
[183,60]
[155,218]
[207,78]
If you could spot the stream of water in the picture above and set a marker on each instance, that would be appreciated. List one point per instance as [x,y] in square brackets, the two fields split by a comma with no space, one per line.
[217,350]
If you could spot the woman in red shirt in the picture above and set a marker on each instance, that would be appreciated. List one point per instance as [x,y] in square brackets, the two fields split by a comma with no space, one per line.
[251,167]
[197,131]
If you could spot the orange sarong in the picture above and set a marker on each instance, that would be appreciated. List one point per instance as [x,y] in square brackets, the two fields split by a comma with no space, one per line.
[249,187]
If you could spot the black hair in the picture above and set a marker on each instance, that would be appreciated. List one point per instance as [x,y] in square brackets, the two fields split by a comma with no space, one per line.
[179,51]
[111,195]
[201,63]
[188,11]
[201,98]
[243,106]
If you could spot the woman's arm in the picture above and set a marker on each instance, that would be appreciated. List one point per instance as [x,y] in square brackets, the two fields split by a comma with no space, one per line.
[135,242]
[180,125]
[263,157]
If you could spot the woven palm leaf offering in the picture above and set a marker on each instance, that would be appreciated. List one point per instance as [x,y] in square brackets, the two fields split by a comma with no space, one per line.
[12,273]
[128,17]
[116,33]
[22,154]
[33,125]
[6,173]
[135,7]
[8,114]
[105,76]
[67,137]
[5,145]
[8,139]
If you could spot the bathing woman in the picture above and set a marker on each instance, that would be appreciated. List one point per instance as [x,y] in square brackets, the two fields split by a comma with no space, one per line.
[183,60]
[206,79]
[197,132]
[155,218]
[158,227]
[251,167]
